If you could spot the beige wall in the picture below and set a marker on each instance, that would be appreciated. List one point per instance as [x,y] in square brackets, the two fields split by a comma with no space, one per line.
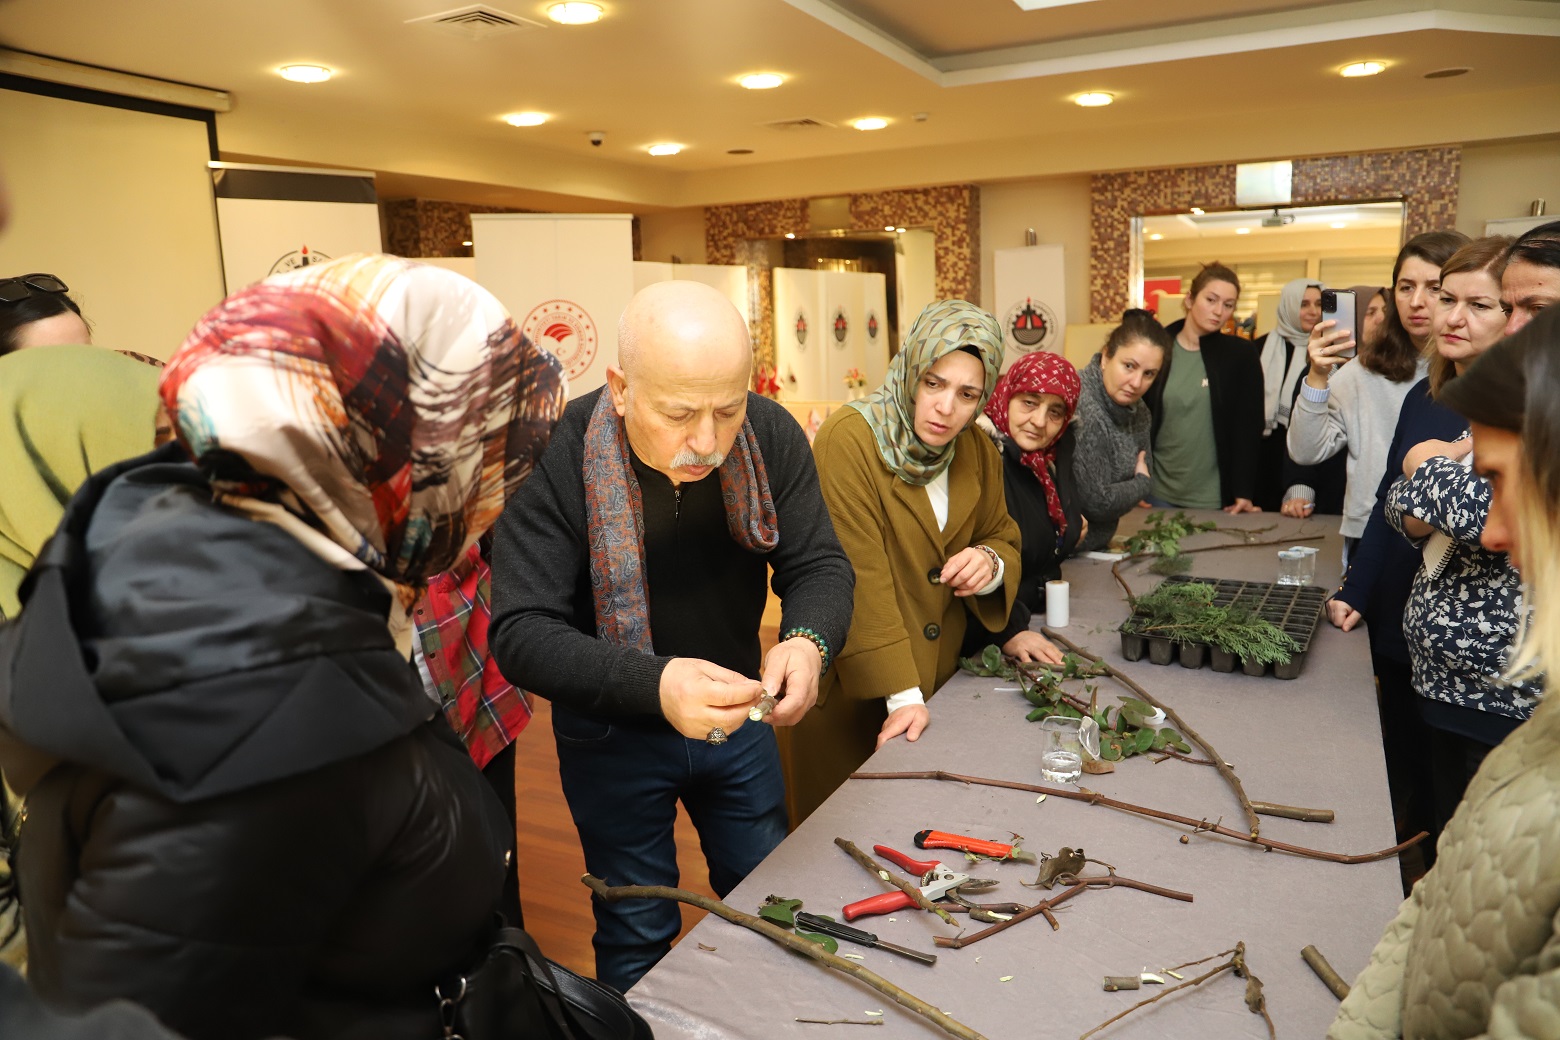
[119,205]
[1058,209]
[673,232]
[1500,179]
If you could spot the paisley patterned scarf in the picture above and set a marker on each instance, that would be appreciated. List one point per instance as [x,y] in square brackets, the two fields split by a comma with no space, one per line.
[941,328]
[615,521]
[379,410]
[1039,373]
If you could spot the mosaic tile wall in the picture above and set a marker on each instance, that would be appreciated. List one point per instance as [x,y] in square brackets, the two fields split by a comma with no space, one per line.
[952,211]
[428,227]
[1425,178]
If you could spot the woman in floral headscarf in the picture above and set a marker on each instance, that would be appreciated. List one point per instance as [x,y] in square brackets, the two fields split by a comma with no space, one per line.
[1030,418]
[915,493]
[243,812]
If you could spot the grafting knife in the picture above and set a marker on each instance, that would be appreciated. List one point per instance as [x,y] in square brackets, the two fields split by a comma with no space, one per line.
[824,926]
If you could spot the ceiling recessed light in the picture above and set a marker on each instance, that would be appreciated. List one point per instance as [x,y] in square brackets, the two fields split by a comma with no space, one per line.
[1155,237]
[869,123]
[665,149]
[466,243]
[888,227]
[790,234]
[899,230]
[1197,211]
[305,73]
[1094,99]
[1243,231]
[739,151]
[1447,73]
[762,80]
[1362,68]
[575,12]
[1339,224]
[526,118]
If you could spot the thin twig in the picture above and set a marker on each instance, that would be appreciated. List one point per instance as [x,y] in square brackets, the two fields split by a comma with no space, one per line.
[1325,972]
[805,947]
[876,869]
[840,1021]
[1200,960]
[1079,884]
[1095,798]
[1181,727]
[1199,980]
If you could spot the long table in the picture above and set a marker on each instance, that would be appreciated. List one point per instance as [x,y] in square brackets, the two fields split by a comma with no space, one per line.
[1312,741]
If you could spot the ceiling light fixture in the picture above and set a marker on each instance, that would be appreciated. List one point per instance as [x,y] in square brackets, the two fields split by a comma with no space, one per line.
[1362,68]
[305,73]
[1094,99]
[1243,231]
[790,234]
[869,123]
[1155,237]
[466,243]
[888,227]
[575,12]
[1197,211]
[899,230]
[665,149]
[526,118]
[762,81]
[1339,224]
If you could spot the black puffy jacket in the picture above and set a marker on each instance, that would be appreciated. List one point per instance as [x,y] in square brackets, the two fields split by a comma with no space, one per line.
[242,813]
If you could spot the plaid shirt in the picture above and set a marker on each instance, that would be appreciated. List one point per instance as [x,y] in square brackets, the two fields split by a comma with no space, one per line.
[452,620]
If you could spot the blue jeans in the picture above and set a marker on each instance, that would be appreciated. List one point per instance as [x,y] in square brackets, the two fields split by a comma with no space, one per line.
[623,785]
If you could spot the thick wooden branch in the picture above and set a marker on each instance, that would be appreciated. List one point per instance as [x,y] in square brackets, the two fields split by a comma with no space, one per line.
[1324,971]
[908,888]
[1181,727]
[1293,812]
[790,941]
[1095,798]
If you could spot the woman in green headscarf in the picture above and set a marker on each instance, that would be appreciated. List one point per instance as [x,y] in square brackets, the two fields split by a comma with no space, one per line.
[915,493]
[65,412]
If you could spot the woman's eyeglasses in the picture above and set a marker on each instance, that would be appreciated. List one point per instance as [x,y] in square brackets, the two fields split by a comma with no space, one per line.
[15,290]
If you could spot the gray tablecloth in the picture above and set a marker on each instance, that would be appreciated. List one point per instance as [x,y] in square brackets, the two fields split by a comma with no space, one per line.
[1313,741]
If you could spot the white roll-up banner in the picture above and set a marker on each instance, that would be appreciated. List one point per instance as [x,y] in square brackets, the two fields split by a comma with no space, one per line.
[827,323]
[566,277]
[277,218]
[1031,299]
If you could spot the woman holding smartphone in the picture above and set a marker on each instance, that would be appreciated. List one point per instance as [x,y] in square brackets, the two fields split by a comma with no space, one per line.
[1207,405]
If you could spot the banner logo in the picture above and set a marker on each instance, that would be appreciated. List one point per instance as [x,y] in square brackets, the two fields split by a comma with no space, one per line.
[297,258]
[841,326]
[567,331]
[801,328]
[1031,326]
[872,326]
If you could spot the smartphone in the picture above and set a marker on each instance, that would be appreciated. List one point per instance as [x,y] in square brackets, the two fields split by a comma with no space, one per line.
[1338,305]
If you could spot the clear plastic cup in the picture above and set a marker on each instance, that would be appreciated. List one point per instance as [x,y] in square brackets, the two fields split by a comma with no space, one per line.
[1297,565]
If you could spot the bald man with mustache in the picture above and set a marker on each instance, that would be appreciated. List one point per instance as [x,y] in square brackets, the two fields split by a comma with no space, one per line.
[630,575]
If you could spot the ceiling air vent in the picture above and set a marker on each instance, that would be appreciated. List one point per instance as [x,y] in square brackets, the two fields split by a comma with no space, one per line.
[804,123]
[477,22]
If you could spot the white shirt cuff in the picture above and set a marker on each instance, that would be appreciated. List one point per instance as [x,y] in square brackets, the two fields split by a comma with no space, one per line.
[904,697]
[1311,393]
[995,583]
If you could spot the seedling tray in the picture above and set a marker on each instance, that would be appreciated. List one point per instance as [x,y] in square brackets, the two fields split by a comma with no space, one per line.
[1296,609]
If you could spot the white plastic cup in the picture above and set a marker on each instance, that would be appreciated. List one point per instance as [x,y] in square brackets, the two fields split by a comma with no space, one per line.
[1058,608]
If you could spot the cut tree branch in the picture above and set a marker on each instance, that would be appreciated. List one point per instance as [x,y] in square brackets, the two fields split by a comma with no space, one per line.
[1324,971]
[1293,812]
[1237,964]
[877,871]
[1186,731]
[1095,798]
[1115,568]
[805,947]
[1079,884]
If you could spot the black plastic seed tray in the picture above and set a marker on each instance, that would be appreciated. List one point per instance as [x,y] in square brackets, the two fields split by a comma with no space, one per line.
[1294,608]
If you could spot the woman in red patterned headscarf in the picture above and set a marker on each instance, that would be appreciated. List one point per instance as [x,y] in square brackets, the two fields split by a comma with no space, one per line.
[1029,416]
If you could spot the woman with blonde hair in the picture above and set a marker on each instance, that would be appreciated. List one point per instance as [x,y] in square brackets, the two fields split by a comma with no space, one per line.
[1471,952]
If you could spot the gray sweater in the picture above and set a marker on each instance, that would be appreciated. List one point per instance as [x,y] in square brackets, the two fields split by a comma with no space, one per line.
[1360,412]
[1109,437]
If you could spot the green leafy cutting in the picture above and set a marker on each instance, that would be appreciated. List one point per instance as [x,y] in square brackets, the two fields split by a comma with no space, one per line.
[1161,536]
[1184,612]
[1122,734]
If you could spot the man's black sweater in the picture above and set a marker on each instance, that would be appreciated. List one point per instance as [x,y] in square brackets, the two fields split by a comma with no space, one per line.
[706,593]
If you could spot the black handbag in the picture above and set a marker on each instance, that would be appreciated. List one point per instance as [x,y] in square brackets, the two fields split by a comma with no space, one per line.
[516,993]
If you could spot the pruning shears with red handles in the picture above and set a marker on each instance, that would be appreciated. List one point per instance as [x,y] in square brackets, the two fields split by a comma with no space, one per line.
[979,846]
[937,882]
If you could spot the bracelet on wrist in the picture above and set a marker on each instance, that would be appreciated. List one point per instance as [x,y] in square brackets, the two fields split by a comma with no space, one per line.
[817,640]
[996,562]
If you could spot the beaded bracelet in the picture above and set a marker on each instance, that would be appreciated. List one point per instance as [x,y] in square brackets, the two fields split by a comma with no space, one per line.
[821,643]
[996,561]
